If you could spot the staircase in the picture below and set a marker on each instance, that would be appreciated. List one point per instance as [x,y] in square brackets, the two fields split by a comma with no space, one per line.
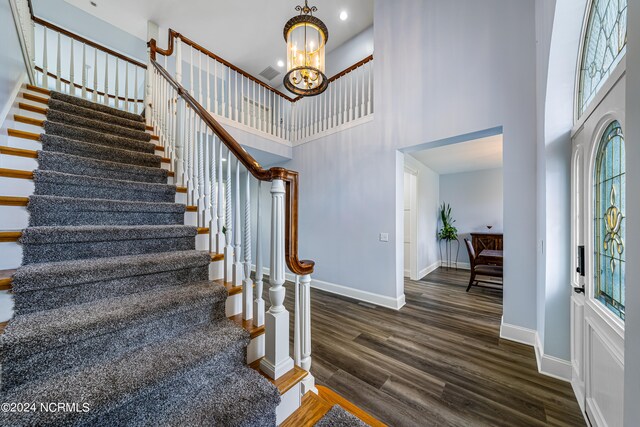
[113,310]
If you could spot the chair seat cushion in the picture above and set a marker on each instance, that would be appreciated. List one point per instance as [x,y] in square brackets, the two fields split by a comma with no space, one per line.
[489,270]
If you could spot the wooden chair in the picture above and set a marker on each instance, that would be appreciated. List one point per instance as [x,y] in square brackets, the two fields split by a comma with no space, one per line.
[480,269]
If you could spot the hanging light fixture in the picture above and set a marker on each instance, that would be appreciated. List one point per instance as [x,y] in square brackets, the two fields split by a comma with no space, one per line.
[306,37]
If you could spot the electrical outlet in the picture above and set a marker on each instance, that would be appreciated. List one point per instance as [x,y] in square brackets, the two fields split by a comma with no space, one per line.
[384,237]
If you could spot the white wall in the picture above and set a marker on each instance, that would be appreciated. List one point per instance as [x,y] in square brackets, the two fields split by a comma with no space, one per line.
[358,47]
[428,189]
[476,201]
[632,137]
[12,68]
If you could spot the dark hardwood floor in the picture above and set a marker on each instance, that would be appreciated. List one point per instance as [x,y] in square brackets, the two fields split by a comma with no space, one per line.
[437,362]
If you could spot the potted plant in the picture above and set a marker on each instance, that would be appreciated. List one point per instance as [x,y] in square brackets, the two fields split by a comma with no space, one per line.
[448,233]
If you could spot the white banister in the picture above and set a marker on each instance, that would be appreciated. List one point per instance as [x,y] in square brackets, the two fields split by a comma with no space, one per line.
[201,186]
[213,220]
[126,86]
[277,360]
[94,97]
[237,250]
[220,237]
[247,283]
[303,332]
[105,99]
[45,60]
[228,249]
[59,67]
[117,87]
[258,303]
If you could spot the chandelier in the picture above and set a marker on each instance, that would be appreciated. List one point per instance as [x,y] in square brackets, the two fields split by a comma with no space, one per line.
[306,37]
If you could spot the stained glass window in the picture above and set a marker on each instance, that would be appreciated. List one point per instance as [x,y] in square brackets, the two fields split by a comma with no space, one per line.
[609,220]
[603,47]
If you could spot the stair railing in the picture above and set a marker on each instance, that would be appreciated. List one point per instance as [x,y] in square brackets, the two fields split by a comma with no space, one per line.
[216,171]
[22,13]
[347,100]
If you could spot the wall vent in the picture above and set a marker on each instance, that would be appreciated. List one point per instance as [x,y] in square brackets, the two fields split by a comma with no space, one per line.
[269,73]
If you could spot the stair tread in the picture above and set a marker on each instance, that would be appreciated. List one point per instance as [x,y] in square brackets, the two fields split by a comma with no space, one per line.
[13,201]
[105,386]
[82,134]
[66,273]
[68,107]
[248,325]
[83,180]
[93,233]
[101,126]
[35,332]
[95,106]
[103,205]
[20,152]
[286,381]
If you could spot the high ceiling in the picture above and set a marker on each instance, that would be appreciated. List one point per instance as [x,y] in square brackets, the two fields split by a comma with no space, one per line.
[474,155]
[246,33]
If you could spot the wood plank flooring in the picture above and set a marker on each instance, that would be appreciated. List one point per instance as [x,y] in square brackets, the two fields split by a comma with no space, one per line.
[437,362]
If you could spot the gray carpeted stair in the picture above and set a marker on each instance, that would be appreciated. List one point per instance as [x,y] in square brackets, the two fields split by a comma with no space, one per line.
[113,307]
[69,185]
[338,417]
[77,165]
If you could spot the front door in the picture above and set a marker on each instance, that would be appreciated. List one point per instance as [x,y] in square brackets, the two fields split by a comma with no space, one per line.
[598,302]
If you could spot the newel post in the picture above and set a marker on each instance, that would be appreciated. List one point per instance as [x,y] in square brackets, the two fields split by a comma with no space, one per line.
[277,360]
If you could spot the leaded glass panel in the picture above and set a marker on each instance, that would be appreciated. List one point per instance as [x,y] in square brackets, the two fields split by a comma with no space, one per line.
[609,220]
[603,47]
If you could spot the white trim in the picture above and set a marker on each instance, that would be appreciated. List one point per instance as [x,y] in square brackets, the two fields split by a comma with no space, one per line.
[23,42]
[517,333]
[428,270]
[249,129]
[6,108]
[552,366]
[358,122]
[364,296]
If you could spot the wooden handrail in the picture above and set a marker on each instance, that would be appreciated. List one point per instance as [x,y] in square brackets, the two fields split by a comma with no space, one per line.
[289,177]
[169,51]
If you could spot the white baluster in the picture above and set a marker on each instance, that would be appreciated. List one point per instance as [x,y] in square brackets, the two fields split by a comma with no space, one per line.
[215,86]
[362,114]
[237,263]
[45,66]
[126,86]
[369,105]
[254,118]
[135,88]
[206,178]
[258,303]
[277,360]
[303,321]
[179,141]
[220,237]
[201,188]
[106,80]
[84,70]
[58,67]
[228,249]
[191,90]
[200,77]
[229,112]
[235,104]
[179,60]
[117,88]
[94,96]
[242,121]
[194,162]
[247,283]
[188,157]
[213,202]
[208,85]
[72,69]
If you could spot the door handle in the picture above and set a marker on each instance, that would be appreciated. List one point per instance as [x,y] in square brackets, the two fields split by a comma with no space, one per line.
[578,289]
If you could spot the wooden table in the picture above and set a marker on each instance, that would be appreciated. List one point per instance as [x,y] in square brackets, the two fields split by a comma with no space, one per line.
[492,256]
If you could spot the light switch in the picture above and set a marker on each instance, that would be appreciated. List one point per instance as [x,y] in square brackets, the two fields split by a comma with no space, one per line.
[384,237]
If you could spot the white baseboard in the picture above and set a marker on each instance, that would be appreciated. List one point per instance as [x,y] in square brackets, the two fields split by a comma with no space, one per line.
[461,265]
[345,291]
[550,365]
[517,334]
[547,365]
[428,269]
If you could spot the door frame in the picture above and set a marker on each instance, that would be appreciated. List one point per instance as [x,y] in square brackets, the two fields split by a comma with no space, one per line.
[413,222]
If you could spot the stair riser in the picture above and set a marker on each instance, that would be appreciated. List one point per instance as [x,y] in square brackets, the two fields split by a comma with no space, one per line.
[27,302]
[131,336]
[25,144]
[14,218]
[15,187]
[83,250]
[18,162]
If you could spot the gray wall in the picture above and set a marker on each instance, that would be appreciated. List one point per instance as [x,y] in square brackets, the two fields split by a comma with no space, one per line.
[476,201]
[632,137]
[12,68]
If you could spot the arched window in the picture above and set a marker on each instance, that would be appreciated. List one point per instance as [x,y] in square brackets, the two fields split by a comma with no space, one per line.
[603,47]
[609,220]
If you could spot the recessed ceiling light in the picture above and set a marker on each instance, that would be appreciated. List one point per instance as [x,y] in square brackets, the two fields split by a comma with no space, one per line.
[344,15]
[280,63]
